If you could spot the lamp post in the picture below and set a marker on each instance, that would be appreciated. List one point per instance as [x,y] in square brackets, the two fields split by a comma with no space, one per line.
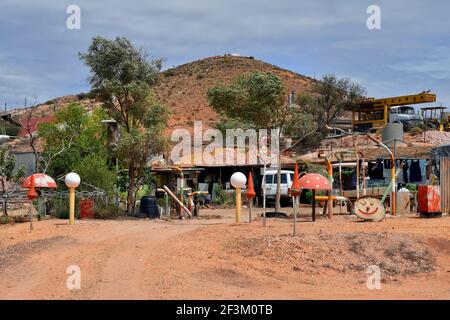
[238,180]
[72,181]
[263,184]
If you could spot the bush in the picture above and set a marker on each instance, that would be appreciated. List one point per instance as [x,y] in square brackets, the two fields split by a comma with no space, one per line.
[416,131]
[219,198]
[19,219]
[93,169]
[170,73]
[6,220]
[108,212]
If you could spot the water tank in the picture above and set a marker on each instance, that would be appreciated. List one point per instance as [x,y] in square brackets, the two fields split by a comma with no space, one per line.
[149,207]
[392,131]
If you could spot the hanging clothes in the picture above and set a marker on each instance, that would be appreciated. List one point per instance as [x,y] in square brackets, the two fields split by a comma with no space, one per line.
[405,171]
[398,163]
[415,173]
[387,173]
[376,169]
[423,165]
[428,171]
[370,168]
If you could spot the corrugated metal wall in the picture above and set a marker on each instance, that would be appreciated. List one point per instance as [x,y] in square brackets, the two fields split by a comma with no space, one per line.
[445,183]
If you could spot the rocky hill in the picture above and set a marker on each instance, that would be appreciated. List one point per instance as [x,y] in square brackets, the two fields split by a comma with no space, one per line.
[183,88]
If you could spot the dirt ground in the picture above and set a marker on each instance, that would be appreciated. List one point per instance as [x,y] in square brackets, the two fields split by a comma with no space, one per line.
[214,258]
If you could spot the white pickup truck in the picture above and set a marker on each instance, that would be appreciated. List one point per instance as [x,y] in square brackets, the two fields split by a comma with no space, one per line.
[270,180]
[406,116]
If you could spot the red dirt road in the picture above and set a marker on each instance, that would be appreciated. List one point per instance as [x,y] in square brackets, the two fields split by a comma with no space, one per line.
[213,259]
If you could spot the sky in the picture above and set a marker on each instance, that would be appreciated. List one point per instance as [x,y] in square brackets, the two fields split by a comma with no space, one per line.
[408,54]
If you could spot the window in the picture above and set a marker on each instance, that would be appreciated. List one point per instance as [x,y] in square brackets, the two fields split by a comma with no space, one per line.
[269,179]
[283,178]
[292,177]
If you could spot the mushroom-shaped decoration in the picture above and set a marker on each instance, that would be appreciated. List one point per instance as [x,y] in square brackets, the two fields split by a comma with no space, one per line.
[41,180]
[32,195]
[250,189]
[295,192]
[295,188]
[251,194]
[37,180]
[314,181]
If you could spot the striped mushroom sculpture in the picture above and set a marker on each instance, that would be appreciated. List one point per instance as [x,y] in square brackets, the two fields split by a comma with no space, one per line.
[313,182]
[37,180]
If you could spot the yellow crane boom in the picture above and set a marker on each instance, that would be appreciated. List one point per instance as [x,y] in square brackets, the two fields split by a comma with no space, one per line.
[373,113]
[423,97]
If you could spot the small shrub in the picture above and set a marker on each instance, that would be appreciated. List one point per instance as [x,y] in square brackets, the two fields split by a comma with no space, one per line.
[6,220]
[416,131]
[219,194]
[107,212]
[19,219]
[200,76]
[170,73]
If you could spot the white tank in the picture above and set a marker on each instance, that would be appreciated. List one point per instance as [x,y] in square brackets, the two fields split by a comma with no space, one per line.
[392,131]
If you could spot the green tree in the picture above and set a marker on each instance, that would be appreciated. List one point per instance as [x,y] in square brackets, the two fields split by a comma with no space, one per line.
[73,135]
[9,181]
[259,100]
[94,170]
[77,141]
[123,76]
[330,99]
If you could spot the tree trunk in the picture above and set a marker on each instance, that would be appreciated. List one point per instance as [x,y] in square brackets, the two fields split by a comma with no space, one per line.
[137,186]
[131,198]
[278,195]
[5,208]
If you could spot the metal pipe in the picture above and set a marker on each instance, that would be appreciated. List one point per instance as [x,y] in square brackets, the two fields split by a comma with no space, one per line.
[294,205]
[393,207]
[177,200]
[330,179]
[357,165]
[313,205]
[363,172]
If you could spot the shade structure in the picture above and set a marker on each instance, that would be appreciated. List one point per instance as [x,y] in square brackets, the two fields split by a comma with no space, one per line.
[314,181]
[41,180]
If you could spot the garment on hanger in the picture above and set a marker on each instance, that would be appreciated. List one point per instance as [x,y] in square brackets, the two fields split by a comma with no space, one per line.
[387,171]
[373,170]
[376,169]
[428,170]
[423,165]
[405,171]
[415,173]
[399,179]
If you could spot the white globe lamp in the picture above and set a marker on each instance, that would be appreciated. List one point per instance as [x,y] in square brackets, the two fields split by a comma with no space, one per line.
[238,181]
[72,181]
